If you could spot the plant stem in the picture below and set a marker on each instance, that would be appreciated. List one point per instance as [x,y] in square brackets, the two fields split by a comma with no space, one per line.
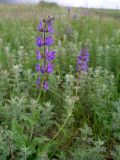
[69,115]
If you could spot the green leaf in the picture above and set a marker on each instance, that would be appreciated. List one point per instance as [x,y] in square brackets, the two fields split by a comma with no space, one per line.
[19,137]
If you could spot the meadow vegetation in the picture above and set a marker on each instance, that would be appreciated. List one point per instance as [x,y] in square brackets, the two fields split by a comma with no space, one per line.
[77,118]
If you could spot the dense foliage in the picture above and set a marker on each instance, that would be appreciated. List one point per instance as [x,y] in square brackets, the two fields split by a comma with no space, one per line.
[77,118]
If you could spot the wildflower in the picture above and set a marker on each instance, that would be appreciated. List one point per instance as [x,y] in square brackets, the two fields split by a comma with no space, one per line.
[82,61]
[40,26]
[42,70]
[45,85]
[49,41]
[49,68]
[50,55]
[37,68]
[38,55]
[38,82]
[39,42]
[45,26]
[50,29]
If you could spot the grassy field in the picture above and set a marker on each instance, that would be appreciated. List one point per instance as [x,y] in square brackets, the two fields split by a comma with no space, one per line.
[78,118]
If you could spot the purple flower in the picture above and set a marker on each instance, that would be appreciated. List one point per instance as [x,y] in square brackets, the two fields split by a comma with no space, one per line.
[49,41]
[40,26]
[49,68]
[50,29]
[42,70]
[82,61]
[38,55]
[37,68]
[45,85]
[50,55]
[82,67]
[39,42]
[38,82]
[84,55]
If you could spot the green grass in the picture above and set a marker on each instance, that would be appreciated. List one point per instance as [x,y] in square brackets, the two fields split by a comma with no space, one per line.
[74,119]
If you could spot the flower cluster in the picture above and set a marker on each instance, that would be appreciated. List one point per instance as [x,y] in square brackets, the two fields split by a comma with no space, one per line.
[44,64]
[82,61]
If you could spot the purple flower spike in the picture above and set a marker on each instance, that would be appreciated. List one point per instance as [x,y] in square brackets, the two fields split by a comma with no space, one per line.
[39,42]
[82,61]
[45,85]
[50,68]
[38,55]
[49,41]
[38,82]
[37,68]
[46,57]
[50,55]
[40,26]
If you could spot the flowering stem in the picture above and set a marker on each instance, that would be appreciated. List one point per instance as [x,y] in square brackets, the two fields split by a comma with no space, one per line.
[39,95]
[44,36]
[66,120]
[44,48]
[45,26]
